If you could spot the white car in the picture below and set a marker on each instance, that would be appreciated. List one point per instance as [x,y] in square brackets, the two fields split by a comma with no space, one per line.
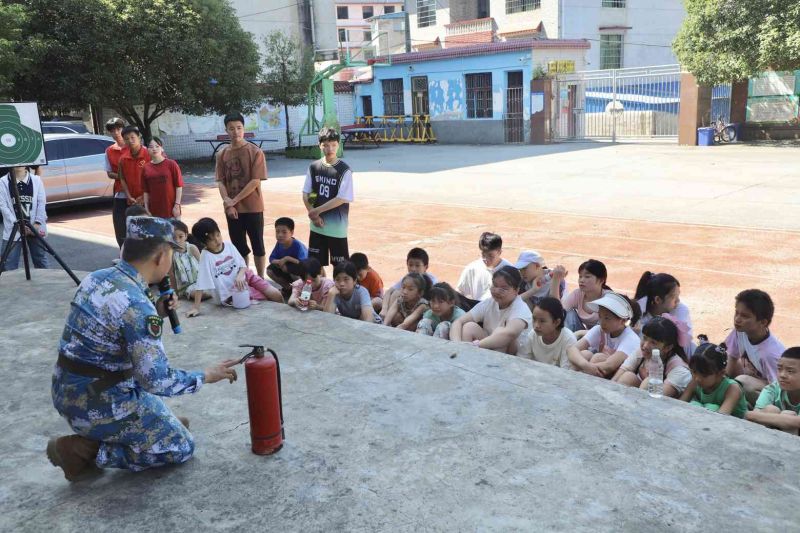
[76,167]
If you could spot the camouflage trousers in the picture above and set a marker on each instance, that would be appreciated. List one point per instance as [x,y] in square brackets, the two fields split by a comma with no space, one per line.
[136,430]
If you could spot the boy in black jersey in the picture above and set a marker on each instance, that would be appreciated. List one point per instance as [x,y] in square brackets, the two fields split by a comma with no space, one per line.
[327,193]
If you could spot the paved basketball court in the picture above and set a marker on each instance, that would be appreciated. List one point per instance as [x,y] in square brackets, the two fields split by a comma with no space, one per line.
[720,219]
[389,431]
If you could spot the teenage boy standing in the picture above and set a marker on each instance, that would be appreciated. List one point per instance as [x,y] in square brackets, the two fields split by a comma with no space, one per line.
[113,154]
[240,169]
[131,169]
[327,193]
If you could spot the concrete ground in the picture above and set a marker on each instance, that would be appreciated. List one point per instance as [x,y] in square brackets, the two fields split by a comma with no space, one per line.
[721,219]
[388,431]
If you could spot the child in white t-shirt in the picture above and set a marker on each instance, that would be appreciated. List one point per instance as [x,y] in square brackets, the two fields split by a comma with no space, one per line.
[549,340]
[497,322]
[606,346]
[753,351]
[223,271]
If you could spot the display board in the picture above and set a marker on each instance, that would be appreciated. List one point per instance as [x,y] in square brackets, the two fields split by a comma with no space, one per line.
[21,141]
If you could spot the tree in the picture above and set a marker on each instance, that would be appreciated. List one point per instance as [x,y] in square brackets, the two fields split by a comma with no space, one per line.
[288,71]
[12,20]
[729,40]
[139,58]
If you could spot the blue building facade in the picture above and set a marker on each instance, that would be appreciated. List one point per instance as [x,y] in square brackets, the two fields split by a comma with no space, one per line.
[477,94]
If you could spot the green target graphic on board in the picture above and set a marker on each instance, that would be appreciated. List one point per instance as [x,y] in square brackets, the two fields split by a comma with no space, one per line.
[21,141]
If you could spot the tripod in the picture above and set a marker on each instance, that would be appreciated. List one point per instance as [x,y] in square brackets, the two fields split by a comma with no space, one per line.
[20,225]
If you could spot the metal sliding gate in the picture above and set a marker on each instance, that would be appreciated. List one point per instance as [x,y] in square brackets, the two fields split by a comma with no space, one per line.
[513,118]
[631,103]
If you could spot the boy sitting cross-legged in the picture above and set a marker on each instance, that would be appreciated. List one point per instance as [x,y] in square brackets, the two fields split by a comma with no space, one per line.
[284,261]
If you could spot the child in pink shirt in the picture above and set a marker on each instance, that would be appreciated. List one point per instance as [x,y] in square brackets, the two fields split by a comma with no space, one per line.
[592,275]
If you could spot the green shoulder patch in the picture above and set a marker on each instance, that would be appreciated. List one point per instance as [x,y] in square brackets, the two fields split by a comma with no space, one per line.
[154,325]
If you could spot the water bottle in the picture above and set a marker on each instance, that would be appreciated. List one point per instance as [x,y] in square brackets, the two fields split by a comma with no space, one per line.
[544,279]
[305,296]
[655,371]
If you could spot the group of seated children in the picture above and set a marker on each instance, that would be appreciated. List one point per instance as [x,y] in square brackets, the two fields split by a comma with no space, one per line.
[524,309]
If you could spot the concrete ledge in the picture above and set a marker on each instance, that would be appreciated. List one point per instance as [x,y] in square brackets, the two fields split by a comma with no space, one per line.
[387,431]
[471,131]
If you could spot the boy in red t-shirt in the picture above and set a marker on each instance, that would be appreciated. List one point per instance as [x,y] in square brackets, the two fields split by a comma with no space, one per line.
[162,183]
[369,279]
[113,154]
[131,166]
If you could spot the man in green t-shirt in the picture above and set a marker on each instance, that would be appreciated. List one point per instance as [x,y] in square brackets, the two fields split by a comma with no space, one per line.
[778,405]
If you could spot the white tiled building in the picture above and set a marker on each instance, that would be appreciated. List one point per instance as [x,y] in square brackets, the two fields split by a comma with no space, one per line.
[352,28]
[623,33]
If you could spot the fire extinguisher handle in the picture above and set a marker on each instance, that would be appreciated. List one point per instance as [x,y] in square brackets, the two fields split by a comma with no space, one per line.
[257,351]
[280,392]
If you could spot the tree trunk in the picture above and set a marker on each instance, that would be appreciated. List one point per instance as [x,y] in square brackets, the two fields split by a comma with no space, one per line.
[288,135]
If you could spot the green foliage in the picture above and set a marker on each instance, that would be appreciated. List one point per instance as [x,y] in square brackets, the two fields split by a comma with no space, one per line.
[288,72]
[160,54]
[12,19]
[728,40]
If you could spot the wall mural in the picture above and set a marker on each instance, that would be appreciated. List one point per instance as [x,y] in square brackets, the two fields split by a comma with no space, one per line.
[271,118]
[446,100]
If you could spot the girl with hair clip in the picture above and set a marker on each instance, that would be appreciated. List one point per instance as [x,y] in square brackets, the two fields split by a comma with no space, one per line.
[608,344]
[592,275]
[659,294]
[549,340]
[710,387]
[662,334]
[497,322]
[406,311]
[437,320]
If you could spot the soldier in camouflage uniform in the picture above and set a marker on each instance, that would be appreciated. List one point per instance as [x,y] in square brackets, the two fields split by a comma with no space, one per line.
[112,367]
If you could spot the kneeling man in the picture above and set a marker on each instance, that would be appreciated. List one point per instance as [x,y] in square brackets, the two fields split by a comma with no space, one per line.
[112,367]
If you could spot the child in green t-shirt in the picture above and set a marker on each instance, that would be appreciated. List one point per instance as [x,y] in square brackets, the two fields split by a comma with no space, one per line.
[710,387]
[443,311]
[778,405]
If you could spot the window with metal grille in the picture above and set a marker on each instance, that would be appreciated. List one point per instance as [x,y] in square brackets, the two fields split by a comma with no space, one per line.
[518,6]
[367,11]
[479,95]
[367,35]
[388,9]
[610,51]
[613,3]
[393,97]
[426,13]
[342,35]
[342,12]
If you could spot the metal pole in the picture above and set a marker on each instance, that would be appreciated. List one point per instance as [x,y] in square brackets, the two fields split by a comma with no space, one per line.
[614,105]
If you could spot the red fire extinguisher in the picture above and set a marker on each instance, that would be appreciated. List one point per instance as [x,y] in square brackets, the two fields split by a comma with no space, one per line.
[264,399]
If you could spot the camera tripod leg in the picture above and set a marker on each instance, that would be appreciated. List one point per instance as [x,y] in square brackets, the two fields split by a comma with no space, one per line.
[26,251]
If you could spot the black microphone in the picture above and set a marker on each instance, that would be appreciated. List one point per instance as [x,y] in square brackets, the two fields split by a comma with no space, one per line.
[165,289]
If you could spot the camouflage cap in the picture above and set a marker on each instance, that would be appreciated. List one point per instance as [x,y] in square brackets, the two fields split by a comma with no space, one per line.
[140,228]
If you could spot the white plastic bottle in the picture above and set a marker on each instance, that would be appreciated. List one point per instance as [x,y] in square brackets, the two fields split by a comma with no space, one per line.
[655,371]
[305,296]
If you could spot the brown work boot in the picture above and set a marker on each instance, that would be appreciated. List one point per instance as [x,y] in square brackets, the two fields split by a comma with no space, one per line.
[75,455]
[184,421]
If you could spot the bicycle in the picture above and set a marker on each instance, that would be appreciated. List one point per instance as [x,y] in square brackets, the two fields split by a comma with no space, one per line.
[723,133]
